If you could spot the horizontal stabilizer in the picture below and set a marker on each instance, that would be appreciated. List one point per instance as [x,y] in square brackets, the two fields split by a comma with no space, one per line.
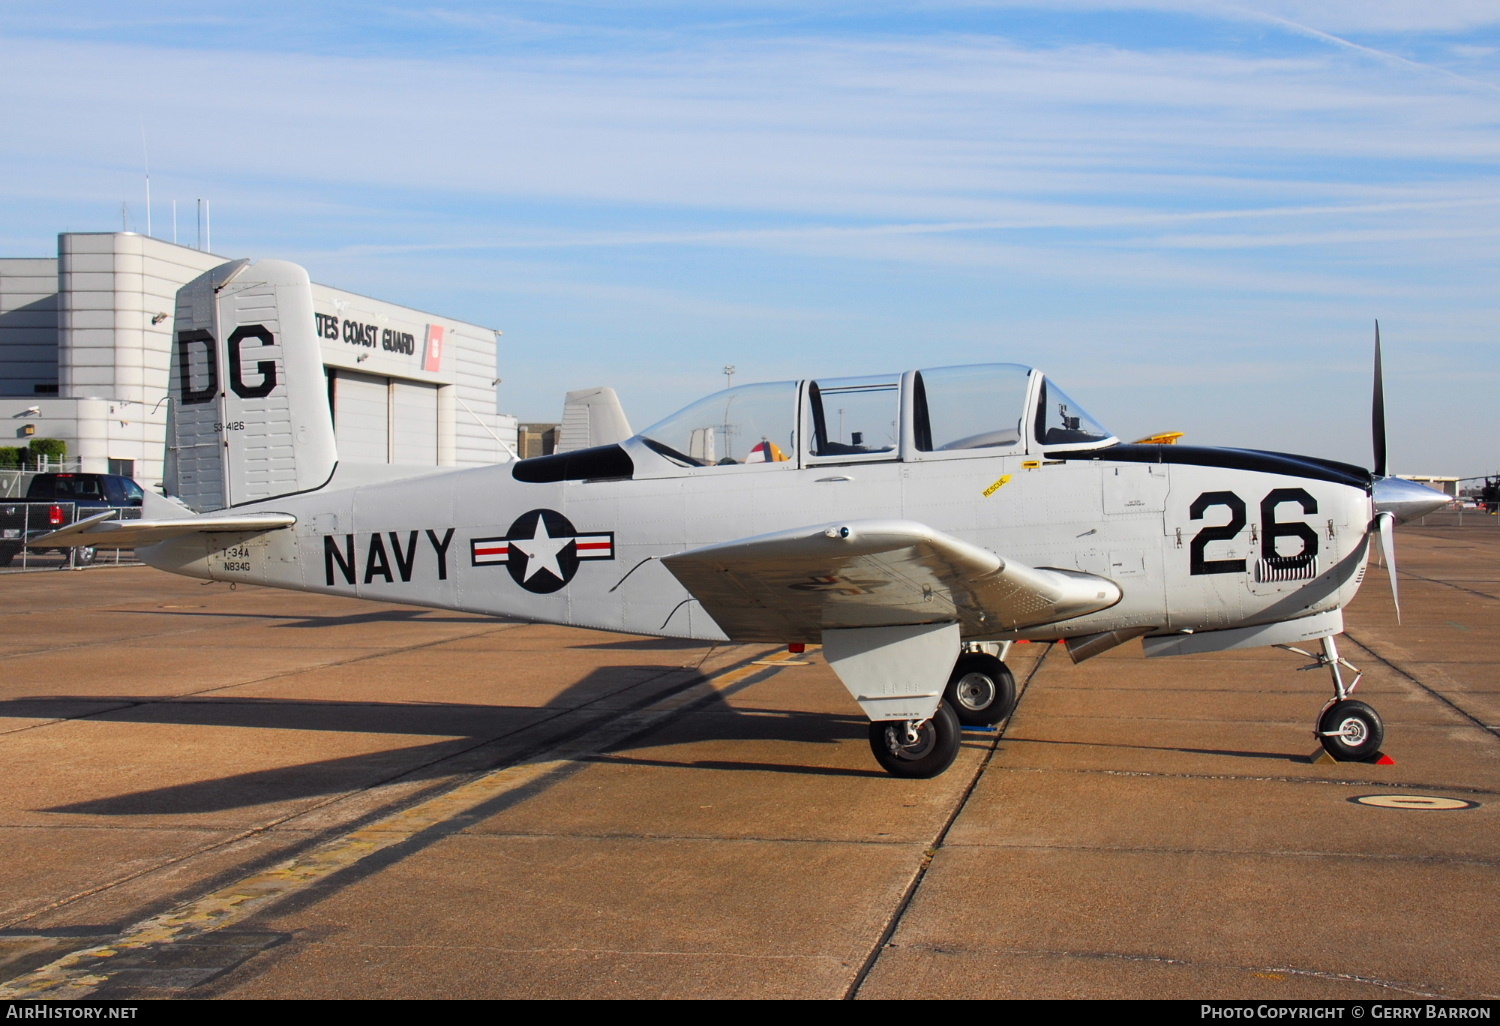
[793,585]
[102,531]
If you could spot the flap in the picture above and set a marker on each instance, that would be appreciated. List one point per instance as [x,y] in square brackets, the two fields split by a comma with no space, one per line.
[793,585]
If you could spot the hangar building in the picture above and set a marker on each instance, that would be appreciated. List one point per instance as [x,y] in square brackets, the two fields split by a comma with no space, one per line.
[85,347]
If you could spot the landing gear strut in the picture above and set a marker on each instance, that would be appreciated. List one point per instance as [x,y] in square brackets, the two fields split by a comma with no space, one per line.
[1347,730]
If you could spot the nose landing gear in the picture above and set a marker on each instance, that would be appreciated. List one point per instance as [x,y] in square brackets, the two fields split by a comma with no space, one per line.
[1349,731]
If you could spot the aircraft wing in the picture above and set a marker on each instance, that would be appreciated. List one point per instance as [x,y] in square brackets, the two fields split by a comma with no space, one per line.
[793,585]
[104,532]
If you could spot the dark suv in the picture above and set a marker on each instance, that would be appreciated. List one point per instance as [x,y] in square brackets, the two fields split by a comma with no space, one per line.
[98,491]
[56,500]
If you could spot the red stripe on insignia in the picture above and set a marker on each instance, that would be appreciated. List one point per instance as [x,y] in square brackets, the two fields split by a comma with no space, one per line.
[594,546]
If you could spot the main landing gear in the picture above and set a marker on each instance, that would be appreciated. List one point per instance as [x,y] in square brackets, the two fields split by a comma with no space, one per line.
[917,749]
[981,692]
[1348,730]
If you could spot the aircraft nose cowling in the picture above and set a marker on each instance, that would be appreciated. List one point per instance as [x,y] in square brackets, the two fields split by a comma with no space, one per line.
[1406,500]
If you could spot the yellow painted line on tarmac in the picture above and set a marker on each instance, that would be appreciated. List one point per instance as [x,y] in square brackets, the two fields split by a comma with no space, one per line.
[79,973]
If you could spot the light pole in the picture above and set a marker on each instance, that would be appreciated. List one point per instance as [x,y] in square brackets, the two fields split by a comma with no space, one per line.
[729,375]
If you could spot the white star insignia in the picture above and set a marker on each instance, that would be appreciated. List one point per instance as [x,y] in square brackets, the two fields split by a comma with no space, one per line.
[541,551]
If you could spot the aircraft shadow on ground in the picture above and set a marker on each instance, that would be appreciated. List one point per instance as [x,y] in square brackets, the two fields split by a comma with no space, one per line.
[645,645]
[1225,752]
[741,767]
[463,727]
[351,619]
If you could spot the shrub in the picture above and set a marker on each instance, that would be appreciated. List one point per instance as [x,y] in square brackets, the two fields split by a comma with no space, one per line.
[54,449]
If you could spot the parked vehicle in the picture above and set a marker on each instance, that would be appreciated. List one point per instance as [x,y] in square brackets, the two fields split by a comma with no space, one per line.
[56,500]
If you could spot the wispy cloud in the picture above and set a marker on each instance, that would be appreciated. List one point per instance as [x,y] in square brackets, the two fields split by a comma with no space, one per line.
[1169,185]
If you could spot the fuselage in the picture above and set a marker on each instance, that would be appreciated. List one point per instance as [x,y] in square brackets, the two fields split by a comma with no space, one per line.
[1197,539]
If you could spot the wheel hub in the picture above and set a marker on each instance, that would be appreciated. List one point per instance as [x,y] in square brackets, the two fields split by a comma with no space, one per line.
[912,739]
[975,691]
[1352,730]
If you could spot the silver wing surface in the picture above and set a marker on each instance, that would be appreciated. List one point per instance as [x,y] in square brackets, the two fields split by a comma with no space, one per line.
[793,585]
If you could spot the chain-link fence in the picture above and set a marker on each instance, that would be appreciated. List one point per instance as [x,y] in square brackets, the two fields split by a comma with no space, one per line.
[21,522]
[14,481]
[1455,514]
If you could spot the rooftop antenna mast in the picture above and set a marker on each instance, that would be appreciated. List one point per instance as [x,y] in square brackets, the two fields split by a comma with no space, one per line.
[728,427]
[146,152]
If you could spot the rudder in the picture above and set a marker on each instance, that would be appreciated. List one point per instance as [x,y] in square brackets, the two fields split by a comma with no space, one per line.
[249,418]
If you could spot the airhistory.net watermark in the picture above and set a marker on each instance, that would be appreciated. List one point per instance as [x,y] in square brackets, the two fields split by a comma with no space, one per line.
[41,1011]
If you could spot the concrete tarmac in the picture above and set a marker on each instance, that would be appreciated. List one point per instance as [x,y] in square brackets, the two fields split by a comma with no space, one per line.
[252,793]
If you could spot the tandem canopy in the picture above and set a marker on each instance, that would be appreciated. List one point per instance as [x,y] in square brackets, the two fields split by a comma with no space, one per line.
[991,408]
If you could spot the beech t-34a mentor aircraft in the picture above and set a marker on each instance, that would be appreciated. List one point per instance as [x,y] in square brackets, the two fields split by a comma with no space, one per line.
[912,524]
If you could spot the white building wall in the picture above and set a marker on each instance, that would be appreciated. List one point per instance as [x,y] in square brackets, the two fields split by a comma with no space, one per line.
[93,428]
[84,322]
[28,326]
[480,435]
[110,287]
[364,337]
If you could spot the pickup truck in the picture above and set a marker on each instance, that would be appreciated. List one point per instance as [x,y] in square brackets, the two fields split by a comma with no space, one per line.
[56,500]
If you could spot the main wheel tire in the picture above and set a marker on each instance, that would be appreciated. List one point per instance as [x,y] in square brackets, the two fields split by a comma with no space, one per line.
[83,556]
[1350,731]
[981,690]
[931,752]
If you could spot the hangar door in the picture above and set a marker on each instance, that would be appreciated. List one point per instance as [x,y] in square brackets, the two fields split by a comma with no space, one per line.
[383,420]
[415,406]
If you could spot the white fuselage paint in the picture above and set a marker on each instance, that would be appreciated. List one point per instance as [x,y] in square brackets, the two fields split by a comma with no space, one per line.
[1134,523]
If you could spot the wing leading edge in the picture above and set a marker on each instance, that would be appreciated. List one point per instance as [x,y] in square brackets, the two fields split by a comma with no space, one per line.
[793,585]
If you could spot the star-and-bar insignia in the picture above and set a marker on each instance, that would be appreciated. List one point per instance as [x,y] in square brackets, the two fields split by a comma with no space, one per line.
[542,550]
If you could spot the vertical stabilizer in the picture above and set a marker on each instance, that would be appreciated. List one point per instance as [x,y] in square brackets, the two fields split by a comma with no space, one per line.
[249,418]
[592,416]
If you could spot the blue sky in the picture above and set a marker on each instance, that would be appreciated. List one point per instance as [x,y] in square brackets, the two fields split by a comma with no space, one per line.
[1189,213]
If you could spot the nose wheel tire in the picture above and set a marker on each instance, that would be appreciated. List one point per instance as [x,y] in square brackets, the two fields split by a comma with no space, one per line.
[917,750]
[981,690]
[1351,730]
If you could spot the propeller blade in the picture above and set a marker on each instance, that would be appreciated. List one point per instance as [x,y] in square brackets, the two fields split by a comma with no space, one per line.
[1377,410]
[1386,524]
